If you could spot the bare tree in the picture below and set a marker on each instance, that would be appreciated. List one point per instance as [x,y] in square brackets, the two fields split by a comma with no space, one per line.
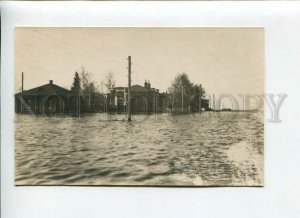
[110,82]
[89,87]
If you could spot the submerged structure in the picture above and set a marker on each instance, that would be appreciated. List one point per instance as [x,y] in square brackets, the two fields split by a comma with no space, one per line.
[48,98]
[51,98]
[146,99]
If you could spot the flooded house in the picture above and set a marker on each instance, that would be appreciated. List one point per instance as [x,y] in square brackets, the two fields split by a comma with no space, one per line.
[144,99]
[48,98]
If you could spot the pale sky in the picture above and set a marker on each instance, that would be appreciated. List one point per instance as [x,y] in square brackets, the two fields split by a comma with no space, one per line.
[223,60]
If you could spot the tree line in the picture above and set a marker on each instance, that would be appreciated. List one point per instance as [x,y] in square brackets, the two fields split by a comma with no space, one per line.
[84,86]
[182,91]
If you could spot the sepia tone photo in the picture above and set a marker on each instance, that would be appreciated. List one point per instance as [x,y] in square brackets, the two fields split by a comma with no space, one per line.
[139,106]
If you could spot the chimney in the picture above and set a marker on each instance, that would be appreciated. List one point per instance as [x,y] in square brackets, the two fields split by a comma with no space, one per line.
[149,85]
[145,84]
[51,82]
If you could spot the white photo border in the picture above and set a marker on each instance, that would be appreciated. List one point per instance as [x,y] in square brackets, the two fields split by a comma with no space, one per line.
[280,196]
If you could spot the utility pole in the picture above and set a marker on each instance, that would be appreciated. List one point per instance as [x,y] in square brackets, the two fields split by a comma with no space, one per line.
[22,92]
[214,105]
[124,92]
[181,97]
[129,88]
[104,98]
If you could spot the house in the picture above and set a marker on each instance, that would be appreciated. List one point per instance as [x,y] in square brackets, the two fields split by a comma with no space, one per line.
[48,98]
[144,99]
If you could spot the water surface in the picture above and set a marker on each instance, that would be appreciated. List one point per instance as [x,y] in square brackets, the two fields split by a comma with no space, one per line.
[211,149]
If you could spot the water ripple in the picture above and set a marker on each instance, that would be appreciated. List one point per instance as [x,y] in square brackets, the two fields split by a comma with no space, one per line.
[205,149]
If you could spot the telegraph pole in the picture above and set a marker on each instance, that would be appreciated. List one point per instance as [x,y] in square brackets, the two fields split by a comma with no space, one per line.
[129,88]
[214,105]
[181,96]
[22,91]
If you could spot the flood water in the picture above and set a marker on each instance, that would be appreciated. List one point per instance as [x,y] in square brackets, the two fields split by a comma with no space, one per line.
[211,149]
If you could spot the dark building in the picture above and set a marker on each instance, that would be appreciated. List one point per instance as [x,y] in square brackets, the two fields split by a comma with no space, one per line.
[48,98]
[144,99]
[205,104]
[189,104]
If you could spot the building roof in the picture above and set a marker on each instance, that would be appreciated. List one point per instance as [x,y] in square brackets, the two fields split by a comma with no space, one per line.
[138,88]
[47,89]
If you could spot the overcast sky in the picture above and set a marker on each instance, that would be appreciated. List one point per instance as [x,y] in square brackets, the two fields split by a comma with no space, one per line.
[223,60]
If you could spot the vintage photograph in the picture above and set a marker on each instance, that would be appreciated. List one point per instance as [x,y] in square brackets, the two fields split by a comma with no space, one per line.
[139,106]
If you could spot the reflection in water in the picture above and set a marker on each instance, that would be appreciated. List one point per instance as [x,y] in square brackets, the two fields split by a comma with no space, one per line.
[211,149]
